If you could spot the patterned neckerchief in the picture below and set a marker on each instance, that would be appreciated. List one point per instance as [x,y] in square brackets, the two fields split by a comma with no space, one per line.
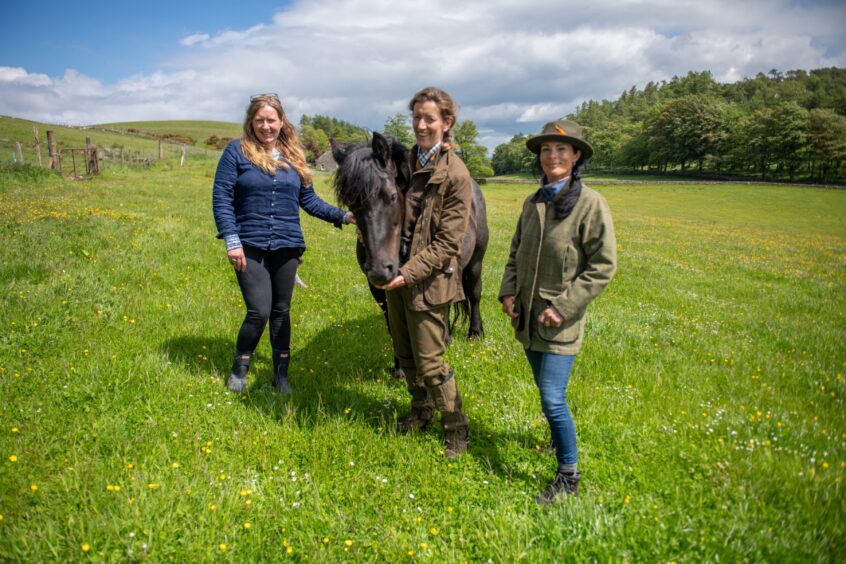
[424,158]
[550,190]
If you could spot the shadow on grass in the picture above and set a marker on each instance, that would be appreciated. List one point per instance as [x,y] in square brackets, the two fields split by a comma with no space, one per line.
[206,355]
[330,374]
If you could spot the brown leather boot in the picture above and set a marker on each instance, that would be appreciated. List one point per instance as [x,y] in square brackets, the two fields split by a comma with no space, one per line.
[449,402]
[422,412]
[456,437]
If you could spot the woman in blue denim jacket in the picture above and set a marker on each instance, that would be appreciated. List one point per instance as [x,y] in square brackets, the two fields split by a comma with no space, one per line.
[261,183]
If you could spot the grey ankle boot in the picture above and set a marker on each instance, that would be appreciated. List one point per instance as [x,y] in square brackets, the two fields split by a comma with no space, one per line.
[238,375]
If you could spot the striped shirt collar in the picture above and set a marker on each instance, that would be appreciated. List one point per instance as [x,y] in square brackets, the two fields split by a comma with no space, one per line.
[424,158]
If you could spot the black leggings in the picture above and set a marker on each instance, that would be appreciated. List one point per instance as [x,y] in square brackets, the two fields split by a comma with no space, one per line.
[267,286]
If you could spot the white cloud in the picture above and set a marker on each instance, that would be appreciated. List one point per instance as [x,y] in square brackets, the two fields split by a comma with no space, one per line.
[196,38]
[510,65]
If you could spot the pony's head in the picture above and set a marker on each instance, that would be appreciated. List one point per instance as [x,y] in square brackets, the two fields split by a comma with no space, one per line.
[371,180]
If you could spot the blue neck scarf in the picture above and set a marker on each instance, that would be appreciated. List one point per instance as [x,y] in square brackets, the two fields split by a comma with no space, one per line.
[550,190]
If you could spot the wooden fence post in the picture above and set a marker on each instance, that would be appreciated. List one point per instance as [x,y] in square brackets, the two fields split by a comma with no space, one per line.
[37,146]
[161,150]
[20,152]
[51,150]
[91,164]
[182,160]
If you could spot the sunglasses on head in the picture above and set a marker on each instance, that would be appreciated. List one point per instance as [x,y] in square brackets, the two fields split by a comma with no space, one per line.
[271,95]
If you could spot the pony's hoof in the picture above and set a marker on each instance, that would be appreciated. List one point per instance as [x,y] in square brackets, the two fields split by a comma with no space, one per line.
[397,373]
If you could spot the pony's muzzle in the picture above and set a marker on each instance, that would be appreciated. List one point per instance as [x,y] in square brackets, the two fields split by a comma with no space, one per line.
[381,275]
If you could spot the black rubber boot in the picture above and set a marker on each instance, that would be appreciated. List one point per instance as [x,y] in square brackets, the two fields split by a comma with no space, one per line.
[238,375]
[280,372]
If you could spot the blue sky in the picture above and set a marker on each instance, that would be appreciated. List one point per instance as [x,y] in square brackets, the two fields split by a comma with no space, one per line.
[510,64]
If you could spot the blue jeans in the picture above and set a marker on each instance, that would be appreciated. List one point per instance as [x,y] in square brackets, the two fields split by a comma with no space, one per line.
[552,374]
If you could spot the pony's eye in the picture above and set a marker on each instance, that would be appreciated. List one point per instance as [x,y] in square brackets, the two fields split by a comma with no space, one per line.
[392,198]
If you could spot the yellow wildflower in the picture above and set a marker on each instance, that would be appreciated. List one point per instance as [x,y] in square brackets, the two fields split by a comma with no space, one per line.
[13,458]
[86,547]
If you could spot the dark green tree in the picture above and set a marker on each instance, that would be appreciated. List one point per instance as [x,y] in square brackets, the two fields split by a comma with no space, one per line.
[826,132]
[397,126]
[475,156]
[512,157]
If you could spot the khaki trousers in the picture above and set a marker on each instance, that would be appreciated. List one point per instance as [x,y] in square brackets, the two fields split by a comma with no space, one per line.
[419,339]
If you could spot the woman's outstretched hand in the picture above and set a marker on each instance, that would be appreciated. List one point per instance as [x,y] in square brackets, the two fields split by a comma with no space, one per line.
[397,282]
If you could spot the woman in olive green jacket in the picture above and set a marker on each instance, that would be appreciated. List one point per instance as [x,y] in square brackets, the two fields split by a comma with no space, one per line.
[563,254]
[437,212]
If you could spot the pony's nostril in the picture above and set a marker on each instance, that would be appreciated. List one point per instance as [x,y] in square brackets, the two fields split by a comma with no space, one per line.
[389,266]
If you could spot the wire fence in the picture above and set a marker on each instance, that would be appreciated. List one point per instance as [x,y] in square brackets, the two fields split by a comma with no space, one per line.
[80,162]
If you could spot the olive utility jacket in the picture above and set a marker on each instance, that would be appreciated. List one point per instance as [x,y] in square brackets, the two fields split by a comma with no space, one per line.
[432,271]
[564,263]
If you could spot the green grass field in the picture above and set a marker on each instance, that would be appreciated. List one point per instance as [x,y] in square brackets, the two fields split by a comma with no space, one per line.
[709,396]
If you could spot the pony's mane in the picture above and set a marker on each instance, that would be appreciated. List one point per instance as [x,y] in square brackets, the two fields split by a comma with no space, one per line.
[359,176]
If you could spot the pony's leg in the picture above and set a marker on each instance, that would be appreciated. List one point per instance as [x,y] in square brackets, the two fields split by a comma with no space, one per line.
[382,302]
[472,281]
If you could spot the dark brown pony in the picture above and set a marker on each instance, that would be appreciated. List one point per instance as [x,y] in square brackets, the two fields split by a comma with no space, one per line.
[371,181]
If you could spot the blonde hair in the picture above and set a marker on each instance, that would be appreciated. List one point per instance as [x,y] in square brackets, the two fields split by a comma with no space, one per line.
[446,105]
[288,143]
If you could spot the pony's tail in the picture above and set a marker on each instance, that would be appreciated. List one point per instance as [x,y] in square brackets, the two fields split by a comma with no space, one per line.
[460,314]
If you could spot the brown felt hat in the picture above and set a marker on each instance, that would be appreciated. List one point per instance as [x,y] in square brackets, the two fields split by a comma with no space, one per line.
[564,131]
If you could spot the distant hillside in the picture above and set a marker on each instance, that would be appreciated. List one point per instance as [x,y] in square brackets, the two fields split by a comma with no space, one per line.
[133,137]
[195,133]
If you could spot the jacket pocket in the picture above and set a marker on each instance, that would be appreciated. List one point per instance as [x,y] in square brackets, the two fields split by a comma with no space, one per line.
[442,287]
[568,332]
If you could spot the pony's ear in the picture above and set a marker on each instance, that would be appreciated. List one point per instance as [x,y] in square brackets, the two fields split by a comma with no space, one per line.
[339,153]
[381,148]
[400,156]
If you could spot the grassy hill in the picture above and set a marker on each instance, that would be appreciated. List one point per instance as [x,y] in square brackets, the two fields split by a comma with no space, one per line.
[199,131]
[132,137]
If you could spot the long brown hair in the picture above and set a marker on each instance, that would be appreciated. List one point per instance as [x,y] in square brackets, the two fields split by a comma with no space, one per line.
[288,143]
[446,105]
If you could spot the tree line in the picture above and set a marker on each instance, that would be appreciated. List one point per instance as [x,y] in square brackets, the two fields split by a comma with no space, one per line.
[315,132]
[786,126]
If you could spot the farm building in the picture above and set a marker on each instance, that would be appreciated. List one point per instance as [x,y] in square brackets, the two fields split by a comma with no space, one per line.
[326,161]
